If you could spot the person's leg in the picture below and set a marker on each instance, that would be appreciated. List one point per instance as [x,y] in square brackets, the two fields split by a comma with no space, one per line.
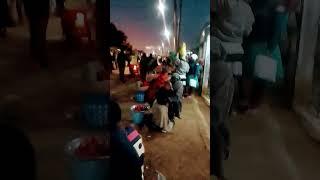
[19,11]
[121,73]
[257,94]
[4,18]
[223,88]
[3,32]
[171,112]
[33,37]
[38,27]
[246,94]
[176,109]
[43,59]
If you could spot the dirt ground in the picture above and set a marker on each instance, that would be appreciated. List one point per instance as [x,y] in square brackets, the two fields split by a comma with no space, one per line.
[45,104]
[182,154]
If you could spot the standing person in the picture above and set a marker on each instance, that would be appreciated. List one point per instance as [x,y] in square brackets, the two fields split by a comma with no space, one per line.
[271,23]
[182,68]
[152,63]
[177,87]
[128,57]
[113,59]
[19,7]
[127,149]
[222,84]
[38,16]
[4,18]
[232,23]
[122,65]
[193,74]
[60,13]
[143,66]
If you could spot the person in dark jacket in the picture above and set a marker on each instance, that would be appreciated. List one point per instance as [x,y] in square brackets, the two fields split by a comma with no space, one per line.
[144,66]
[127,150]
[122,64]
[37,13]
[4,17]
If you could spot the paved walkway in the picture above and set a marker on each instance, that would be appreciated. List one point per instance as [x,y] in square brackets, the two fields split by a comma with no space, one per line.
[272,144]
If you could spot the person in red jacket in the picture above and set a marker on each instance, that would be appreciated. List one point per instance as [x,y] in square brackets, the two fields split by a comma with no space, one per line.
[155,85]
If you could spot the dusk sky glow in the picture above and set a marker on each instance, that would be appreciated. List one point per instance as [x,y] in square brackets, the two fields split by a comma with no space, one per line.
[141,21]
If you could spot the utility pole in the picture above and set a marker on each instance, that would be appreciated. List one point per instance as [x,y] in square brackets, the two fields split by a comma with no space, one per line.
[175,25]
[179,23]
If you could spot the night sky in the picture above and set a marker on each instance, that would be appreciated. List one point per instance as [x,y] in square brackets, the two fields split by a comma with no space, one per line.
[142,22]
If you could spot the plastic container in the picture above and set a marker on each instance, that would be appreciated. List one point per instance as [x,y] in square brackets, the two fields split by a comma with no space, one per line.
[137,116]
[95,110]
[86,169]
[139,96]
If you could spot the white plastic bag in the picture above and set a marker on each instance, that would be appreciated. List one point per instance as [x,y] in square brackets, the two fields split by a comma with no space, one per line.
[237,68]
[265,68]
[193,83]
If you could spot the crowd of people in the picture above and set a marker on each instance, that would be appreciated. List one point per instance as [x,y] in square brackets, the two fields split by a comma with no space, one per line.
[169,86]
[247,33]
[169,80]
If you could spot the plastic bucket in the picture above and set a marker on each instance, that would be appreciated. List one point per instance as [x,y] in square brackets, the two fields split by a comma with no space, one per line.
[88,169]
[139,96]
[137,116]
[95,110]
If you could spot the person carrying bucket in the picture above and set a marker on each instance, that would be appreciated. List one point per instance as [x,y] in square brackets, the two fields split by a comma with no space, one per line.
[127,149]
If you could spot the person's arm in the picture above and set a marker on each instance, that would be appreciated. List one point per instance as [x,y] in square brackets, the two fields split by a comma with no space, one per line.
[249,22]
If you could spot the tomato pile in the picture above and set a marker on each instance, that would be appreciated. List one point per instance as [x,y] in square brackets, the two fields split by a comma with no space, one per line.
[139,108]
[92,147]
[144,84]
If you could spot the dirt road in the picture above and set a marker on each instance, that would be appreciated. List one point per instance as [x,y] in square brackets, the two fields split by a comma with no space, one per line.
[182,154]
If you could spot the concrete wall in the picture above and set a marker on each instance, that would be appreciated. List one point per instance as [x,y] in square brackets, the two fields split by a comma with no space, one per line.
[304,73]
[305,67]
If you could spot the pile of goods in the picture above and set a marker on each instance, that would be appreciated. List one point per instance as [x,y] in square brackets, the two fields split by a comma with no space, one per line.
[92,147]
[144,84]
[141,108]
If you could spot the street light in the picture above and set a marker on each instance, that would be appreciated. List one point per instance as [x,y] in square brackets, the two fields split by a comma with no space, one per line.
[161,7]
[167,34]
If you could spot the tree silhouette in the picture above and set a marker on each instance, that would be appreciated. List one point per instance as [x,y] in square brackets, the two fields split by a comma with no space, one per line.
[119,38]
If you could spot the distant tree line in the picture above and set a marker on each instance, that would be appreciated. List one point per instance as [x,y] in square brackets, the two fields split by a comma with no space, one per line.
[119,39]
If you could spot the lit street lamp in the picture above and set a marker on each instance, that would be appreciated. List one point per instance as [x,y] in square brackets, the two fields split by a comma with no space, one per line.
[167,34]
[161,7]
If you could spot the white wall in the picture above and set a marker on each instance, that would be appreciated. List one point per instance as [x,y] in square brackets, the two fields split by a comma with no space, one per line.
[303,86]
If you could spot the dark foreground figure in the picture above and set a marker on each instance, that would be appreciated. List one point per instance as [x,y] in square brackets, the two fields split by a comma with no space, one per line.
[16,154]
[37,12]
[127,150]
